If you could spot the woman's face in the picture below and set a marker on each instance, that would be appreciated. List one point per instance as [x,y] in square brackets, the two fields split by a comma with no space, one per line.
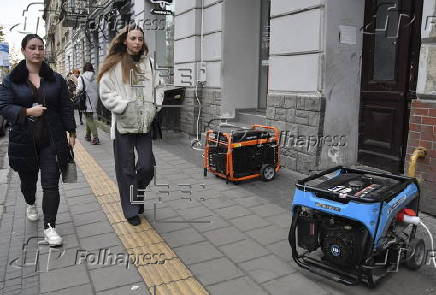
[34,51]
[134,42]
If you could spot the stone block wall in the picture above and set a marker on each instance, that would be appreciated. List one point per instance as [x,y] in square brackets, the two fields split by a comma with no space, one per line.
[300,119]
[210,99]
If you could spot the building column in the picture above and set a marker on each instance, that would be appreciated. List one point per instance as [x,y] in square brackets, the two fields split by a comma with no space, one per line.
[295,102]
[190,50]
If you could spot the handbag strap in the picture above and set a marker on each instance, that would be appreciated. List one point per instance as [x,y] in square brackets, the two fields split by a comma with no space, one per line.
[71,151]
[152,83]
[83,82]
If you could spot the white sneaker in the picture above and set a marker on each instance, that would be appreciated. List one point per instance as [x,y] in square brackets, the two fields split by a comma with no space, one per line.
[32,212]
[52,237]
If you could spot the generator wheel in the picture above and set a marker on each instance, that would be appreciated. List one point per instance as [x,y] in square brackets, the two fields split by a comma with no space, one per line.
[417,246]
[267,172]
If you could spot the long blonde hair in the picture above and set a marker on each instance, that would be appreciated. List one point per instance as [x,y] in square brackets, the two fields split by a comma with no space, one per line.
[118,52]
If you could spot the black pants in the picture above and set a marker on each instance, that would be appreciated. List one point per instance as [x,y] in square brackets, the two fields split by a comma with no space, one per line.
[130,174]
[80,116]
[49,181]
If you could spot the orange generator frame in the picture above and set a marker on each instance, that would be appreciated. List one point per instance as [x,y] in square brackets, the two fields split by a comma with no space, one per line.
[243,154]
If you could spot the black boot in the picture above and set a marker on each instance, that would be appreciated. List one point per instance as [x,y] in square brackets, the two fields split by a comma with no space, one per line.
[134,220]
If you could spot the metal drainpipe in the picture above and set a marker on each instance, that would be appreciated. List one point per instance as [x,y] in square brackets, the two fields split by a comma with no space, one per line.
[418,153]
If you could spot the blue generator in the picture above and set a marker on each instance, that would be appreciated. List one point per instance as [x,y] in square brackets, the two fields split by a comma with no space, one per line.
[354,226]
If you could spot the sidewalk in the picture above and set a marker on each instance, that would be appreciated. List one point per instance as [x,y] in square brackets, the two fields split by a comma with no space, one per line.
[232,238]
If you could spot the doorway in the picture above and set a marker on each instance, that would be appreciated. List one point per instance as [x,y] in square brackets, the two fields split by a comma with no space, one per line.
[391,36]
[240,56]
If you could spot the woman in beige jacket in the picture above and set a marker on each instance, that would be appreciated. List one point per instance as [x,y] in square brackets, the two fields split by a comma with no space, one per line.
[130,89]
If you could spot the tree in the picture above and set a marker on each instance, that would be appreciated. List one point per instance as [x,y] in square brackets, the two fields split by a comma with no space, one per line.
[14,59]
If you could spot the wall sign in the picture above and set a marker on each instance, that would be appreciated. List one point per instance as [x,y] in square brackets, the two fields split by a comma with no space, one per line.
[162,9]
[347,35]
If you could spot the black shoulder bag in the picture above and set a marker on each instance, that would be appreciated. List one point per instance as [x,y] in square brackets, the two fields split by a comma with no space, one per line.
[156,124]
[69,173]
[80,98]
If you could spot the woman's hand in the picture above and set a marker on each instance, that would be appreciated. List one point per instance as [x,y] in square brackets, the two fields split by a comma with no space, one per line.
[35,111]
[72,140]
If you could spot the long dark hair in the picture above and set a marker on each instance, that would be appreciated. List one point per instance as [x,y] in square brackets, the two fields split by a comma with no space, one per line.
[118,52]
[88,67]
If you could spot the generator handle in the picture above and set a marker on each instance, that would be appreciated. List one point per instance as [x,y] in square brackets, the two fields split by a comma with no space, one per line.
[401,178]
[276,130]
[318,175]
[338,197]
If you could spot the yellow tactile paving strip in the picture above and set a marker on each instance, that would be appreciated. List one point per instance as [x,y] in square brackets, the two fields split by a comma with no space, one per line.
[171,277]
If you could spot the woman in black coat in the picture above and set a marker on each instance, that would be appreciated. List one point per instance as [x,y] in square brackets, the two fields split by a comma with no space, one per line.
[34,99]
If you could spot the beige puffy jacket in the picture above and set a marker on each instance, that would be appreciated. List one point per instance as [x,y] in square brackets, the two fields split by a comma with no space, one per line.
[132,106]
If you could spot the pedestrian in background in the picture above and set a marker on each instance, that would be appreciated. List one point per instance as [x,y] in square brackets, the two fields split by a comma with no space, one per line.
[88,83]
[75,79]
[72,85]
[34,99]
[133,110]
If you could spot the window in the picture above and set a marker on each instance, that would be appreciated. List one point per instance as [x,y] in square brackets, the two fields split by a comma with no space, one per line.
[165,44]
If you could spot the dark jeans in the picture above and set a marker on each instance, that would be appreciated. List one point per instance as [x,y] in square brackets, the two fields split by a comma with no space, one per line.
[128,173]
[49,181]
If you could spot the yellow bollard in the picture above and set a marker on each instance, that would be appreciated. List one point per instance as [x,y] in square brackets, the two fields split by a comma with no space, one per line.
[418,153]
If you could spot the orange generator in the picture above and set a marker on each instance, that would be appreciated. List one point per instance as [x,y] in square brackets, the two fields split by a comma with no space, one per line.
[243,154]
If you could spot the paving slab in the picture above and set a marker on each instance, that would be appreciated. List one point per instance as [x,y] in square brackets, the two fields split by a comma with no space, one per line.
[113,276]
[249,222]
[269,235]
[244,250]
[199,252]
[266,268]
[83,290]
[183,237]
[215,271]
[92,229]
[63,278]
[243,286]
[224,235]
[136,288]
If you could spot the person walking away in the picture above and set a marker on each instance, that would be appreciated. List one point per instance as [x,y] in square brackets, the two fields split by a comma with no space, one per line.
[88,82]
[34,99]
[75,78]
[72,85]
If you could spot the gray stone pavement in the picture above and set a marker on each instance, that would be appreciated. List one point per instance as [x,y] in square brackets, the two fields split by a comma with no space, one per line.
[29,267]
[233,238]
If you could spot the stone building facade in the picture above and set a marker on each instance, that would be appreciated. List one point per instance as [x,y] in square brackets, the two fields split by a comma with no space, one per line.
[336,100]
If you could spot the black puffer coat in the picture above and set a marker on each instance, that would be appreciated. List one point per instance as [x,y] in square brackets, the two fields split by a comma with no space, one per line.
[16,94]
